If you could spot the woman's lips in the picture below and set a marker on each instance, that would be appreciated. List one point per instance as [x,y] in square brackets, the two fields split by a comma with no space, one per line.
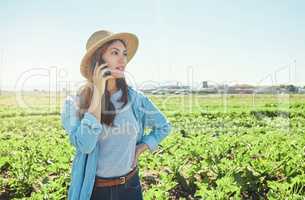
[120,68]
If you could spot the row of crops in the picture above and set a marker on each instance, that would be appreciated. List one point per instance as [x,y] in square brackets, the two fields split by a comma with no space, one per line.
[232,147]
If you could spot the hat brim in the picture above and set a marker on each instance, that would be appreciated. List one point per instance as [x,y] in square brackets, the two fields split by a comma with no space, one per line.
[130,39]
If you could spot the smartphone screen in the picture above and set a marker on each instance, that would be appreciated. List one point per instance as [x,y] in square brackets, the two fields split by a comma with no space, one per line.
[108,73]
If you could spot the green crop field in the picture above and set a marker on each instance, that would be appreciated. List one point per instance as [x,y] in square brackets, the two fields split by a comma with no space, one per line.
[220,147]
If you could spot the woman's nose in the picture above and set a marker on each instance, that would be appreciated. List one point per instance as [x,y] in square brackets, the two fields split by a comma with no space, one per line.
[123,59]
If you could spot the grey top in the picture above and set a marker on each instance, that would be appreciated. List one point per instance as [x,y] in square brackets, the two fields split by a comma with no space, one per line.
[117,144]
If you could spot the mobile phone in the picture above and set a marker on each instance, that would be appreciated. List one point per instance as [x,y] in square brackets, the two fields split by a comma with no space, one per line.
[107,73]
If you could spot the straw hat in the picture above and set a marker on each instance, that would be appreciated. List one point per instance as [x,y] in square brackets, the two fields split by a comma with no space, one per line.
[97,39]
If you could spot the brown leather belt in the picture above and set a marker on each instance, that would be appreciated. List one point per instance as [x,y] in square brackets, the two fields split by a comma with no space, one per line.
[100,182]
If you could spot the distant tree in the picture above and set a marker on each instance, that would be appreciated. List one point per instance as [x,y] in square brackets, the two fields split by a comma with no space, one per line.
[289,88]
[292,88]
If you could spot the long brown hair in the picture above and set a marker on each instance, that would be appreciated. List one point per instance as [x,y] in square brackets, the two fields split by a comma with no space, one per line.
[85,92]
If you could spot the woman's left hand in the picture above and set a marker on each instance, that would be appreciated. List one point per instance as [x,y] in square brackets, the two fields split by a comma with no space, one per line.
[140,148]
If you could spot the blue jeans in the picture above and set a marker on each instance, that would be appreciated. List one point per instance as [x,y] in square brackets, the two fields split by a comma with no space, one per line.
[131,190]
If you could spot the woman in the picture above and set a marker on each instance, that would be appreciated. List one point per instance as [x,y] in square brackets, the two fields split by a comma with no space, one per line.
[106,121]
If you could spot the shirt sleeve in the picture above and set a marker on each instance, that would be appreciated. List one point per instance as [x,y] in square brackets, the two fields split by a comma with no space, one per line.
[153,118]
[83,134]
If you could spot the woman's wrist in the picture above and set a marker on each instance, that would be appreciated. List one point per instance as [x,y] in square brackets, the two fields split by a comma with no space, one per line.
[95,109]
[95,104]
[142,147]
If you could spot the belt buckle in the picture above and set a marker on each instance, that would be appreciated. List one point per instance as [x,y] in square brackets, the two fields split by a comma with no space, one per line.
[123,180]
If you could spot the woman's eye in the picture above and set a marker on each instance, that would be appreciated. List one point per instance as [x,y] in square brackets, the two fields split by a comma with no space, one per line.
[116,53]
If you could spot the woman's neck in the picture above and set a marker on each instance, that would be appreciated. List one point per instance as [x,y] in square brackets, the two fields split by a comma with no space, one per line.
[111,86]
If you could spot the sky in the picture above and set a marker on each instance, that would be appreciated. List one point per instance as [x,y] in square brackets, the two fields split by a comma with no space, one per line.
[256,42]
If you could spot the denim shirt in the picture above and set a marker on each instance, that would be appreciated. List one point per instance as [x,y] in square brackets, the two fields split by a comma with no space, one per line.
[83,135]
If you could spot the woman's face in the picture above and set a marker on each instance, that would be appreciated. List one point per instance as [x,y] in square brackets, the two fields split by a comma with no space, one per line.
[116,56]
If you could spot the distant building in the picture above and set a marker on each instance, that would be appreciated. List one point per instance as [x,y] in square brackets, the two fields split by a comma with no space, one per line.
[264,90]
[205,84]
[301,90]
[211,90]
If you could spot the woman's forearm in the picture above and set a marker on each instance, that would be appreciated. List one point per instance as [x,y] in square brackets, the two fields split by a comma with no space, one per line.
[141,148]
[95,105]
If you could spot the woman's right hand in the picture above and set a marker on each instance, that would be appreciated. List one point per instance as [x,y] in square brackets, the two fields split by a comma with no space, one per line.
[99,83]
